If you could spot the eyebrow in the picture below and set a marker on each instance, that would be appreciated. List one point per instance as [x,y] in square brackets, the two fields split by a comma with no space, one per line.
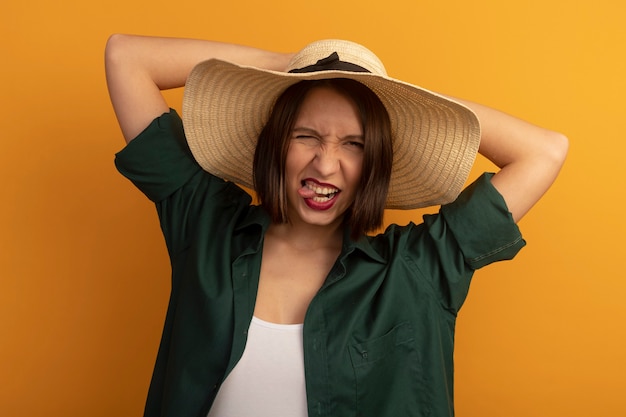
[302,129]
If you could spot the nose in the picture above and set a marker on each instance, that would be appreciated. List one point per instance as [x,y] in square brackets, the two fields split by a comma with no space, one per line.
[327,159]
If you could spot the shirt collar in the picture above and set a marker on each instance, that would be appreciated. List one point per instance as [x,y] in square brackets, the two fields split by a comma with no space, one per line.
[258,216]
[255,216]
[363,244]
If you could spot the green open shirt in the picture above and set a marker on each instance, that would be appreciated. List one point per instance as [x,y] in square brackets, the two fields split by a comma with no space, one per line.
[378,336]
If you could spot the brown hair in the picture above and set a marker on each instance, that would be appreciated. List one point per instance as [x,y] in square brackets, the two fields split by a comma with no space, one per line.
[366,213]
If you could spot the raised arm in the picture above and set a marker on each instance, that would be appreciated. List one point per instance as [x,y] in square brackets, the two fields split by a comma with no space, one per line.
[529,157]
[139,67]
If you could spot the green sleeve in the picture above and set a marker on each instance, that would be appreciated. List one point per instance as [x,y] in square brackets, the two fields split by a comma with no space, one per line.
[158,161]
[482,224]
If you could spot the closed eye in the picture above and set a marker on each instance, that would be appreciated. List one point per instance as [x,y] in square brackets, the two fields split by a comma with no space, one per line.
[304,133]
[354,143]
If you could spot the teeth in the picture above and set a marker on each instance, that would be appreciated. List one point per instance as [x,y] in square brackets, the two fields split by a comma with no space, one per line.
[319,199]
[321,190]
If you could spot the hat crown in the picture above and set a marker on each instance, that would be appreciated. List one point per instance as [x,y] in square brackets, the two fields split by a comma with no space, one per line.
[348,52]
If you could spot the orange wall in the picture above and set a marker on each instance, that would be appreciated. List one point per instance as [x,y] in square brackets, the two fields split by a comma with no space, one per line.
[83,269]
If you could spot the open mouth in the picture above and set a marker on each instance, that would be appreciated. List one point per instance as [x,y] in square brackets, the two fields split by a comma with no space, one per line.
[318,192]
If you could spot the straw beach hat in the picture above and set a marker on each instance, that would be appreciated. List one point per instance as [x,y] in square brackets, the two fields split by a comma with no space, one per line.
[435,140]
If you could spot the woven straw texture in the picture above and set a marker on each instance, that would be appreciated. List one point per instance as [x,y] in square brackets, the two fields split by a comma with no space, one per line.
[435,140]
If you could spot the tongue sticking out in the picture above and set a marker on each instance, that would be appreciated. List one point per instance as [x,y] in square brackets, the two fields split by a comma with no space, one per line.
[306,192]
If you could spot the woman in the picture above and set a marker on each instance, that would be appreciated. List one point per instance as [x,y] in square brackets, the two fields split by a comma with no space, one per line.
[288,307]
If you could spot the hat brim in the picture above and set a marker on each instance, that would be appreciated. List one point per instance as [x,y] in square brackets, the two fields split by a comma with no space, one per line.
[435,139]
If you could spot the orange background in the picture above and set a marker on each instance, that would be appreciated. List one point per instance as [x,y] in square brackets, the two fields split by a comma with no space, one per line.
[84,272]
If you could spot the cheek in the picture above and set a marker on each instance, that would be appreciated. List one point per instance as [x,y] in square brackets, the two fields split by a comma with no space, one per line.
[355,169]
[294,164]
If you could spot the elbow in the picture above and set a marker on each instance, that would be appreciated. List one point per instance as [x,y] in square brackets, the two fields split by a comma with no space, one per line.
[112,52]
[112,46]
[116,50]
[557,145]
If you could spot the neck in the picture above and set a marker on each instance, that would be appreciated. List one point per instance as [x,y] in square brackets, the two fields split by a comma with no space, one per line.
[308,237]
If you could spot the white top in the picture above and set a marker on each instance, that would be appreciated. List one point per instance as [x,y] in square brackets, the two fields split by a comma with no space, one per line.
[268,380]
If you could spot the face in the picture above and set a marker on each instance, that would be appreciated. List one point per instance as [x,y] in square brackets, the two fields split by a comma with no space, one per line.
[324,159]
